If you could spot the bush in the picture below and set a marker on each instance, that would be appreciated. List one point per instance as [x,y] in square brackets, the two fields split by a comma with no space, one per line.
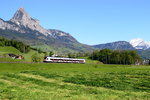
[36,58]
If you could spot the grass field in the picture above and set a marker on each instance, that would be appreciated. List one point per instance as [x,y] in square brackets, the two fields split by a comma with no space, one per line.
[74,82]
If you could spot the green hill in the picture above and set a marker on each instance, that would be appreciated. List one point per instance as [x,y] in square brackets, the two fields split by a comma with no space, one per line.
[9,49]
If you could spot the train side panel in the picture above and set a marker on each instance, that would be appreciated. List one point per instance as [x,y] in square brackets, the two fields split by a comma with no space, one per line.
[62,60]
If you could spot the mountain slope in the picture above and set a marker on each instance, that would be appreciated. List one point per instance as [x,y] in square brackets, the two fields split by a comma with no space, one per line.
[122,45]
[24,28]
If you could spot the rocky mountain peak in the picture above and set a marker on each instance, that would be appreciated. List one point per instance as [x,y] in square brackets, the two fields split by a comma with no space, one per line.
[20,17]
[21,9]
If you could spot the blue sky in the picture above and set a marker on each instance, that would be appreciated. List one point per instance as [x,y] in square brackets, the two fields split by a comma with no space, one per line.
[89,21]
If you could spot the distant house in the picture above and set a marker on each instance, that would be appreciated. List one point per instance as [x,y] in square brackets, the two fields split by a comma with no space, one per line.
[146,62]
[19,57]
[16,56]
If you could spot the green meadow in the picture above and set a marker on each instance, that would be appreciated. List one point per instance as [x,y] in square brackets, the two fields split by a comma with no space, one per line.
[91,81]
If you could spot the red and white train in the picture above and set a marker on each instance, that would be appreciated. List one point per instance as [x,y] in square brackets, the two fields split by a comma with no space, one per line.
[63,60]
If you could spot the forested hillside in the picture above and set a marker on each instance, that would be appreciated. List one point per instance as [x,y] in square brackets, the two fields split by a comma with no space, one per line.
[109,56]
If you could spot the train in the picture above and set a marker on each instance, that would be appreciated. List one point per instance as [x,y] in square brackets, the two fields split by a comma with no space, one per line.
[48,59]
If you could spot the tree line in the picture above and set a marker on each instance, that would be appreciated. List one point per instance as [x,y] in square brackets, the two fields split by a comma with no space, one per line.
[108,56]
[16,44]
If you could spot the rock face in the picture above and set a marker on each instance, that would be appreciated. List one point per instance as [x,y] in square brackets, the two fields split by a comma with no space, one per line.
[24,28]
[60,35]
[121,45]
[6,25]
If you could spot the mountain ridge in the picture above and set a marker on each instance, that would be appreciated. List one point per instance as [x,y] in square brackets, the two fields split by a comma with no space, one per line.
[121,45]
